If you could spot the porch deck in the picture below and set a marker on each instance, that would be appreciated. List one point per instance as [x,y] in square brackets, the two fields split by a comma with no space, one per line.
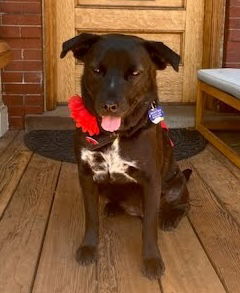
[42,223]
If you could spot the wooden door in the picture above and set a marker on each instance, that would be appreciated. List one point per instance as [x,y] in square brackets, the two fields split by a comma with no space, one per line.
[177,23]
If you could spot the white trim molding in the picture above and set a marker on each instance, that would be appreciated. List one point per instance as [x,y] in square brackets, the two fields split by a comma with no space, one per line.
[3,113]
[3,119]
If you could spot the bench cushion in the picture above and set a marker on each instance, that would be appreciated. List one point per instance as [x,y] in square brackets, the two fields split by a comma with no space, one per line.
[225,79]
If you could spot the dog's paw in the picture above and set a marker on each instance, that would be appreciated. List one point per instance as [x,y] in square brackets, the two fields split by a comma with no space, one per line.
[153,268]
[86,255]
[112,209]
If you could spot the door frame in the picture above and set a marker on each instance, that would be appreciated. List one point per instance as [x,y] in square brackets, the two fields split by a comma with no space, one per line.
[213,43]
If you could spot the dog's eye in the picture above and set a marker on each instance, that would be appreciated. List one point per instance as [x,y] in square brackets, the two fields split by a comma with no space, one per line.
[97,70]
[135,73]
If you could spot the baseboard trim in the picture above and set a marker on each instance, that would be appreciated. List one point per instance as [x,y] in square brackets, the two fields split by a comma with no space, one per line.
[4,126]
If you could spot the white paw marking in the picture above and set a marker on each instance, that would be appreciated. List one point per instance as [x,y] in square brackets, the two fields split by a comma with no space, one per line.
[111,163]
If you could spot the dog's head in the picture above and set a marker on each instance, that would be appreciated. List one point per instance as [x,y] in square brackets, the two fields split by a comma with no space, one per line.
[119,73]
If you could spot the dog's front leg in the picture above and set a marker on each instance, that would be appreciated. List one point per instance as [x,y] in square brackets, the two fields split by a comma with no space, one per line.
[152,260]
[87,252]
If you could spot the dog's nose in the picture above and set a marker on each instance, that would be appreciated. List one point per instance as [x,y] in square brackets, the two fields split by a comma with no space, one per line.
[112,107]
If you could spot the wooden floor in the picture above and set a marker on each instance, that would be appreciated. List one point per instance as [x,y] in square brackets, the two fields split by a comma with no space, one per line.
[42,224]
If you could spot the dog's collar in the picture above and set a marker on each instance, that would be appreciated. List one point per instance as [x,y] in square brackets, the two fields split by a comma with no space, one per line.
[91,136]
[96,142]
[102,140]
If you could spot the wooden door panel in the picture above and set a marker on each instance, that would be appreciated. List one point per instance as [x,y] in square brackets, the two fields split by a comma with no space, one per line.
[130,20]
[170,83]
[135,3]
[177,23]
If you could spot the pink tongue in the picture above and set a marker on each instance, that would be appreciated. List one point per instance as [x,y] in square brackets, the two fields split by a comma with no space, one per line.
[110,123]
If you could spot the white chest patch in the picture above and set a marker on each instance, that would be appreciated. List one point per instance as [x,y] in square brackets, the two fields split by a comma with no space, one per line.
[108,164]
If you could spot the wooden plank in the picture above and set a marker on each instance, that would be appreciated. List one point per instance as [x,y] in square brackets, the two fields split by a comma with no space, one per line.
[120,257]
[216,228]
[220,95]
[169,83]
[231,138]
[64,67]
[132,3]
[200,105]
[223,124]
[130,20]
[13,163]
[58,270]
[188,268]
[23,225]
[49,53]
[213,39]
[218,143]
[192,58]
[224,161]
[7,139]
[220,180]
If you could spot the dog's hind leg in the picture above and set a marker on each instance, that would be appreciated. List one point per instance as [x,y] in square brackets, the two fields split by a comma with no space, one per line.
[174,202]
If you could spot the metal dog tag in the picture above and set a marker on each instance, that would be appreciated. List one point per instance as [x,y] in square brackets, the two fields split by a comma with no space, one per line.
[156,115]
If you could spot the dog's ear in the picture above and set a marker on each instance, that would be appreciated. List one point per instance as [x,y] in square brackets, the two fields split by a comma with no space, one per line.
[162,55]
[79,45]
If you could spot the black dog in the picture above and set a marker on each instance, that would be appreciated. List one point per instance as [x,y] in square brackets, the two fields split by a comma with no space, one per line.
[133,164]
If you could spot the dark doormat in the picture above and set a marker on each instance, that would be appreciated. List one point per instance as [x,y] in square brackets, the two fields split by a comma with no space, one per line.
[58,144]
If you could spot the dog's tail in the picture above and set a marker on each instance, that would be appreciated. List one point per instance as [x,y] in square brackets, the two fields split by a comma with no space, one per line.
[187,173]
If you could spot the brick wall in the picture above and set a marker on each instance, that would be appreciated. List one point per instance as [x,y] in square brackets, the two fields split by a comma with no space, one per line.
[232,35]
[22,79]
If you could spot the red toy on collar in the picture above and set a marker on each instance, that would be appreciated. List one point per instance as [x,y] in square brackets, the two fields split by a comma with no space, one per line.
[82,117]
[85,120]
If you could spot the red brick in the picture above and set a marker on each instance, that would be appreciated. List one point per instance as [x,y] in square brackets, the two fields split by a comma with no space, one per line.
[25,43]
[22,89]
[20,8]
[34,100]
[234,11]
[35,77]
[234,23]
[7,32]
[12,77]
[234,2]
[233,52]
[24,66]
[33,109]
[234,35]
[12,100]
[232,65]
[16,54]
[21,19]
[16,111]
[32,54]
[16,122]
[14,66]
[31,32]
